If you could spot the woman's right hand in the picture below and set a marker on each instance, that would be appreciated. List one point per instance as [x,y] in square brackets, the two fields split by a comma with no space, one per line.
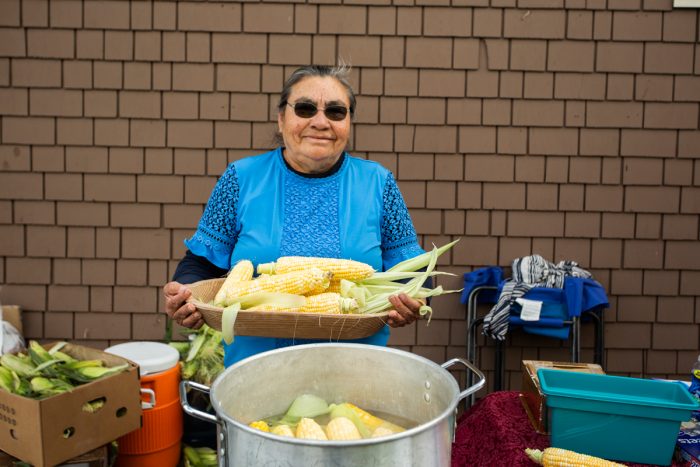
[184,314]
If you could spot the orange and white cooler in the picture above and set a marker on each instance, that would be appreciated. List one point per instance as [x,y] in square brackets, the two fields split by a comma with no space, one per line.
[157,442]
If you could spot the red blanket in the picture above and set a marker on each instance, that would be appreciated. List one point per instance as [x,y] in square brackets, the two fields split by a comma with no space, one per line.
[495,432]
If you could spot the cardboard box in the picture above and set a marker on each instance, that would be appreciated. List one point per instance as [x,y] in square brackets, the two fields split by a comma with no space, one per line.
[99,457]
[52,430]
[13,315]
[531,394]
[688,444]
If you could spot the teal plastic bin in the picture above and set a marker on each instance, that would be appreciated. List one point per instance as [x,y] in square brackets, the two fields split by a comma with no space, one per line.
[615,417]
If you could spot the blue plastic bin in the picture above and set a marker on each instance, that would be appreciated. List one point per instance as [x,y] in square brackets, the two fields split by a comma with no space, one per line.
[615,417]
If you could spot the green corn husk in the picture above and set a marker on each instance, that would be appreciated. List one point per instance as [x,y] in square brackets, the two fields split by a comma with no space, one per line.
[18,365]
[93,406]
[6,380]
[38,354]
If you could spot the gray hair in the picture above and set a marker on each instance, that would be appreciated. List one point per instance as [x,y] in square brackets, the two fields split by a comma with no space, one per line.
[340,72]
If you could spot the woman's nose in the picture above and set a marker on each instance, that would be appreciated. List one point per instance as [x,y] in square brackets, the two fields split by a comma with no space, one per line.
[320,120]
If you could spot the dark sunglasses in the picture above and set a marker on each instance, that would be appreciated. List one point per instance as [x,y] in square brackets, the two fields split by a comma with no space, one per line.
[336,113]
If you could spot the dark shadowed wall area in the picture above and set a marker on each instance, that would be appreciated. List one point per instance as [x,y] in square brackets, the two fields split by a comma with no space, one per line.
[567,128]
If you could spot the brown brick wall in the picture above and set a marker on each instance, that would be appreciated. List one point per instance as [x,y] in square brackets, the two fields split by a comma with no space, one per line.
[568,129]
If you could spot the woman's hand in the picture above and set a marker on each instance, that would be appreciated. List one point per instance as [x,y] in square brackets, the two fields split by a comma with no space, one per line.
[184,314]
[405,310]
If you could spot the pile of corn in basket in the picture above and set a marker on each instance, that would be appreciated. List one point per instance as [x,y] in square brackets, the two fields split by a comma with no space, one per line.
[298,284]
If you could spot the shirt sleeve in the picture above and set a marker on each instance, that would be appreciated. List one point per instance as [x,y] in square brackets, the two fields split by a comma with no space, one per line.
[217,231]
[193,268]
[399,240]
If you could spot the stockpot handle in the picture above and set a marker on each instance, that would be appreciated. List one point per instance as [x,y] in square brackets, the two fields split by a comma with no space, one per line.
[481,379]
[189,410]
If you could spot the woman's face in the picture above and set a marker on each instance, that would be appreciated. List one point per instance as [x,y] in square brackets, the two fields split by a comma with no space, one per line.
[313,145]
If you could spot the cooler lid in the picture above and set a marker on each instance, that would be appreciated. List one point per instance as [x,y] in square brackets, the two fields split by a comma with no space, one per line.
[151,357]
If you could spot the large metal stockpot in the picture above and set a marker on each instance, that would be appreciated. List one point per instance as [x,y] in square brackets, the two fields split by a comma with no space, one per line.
[372,377]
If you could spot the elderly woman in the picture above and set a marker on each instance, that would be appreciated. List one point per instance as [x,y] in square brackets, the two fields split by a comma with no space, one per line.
[306,198]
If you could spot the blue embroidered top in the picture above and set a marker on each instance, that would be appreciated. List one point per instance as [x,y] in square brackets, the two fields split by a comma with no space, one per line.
[260,210]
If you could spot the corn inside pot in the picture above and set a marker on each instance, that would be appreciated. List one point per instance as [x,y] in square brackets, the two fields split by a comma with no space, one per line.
[375,378]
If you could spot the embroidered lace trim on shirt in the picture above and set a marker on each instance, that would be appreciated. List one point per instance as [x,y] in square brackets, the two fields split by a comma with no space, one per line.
[398,233]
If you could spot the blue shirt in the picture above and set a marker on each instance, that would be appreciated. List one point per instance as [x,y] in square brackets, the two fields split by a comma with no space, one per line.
[260,210]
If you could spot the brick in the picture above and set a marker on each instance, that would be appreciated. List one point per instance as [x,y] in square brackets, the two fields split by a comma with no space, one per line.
[112,132]
[107,243]
[512,140]
[668,58]
[342,19]
[582,224]
[86,159]
[89,44]
[74,131]
[100,14]
[103,325]
[159,189]
[428,52]
[189,161]
[34,212]
[541,197]
[119,45]
[426,111]
[441,195]
[571,249]
[658,143]
[57,43]
[147,45]
[653,88]
[556,169]
[28,270]
[401,82]
[528,55]
[181,217]
[14,101]
[145,243]
[652,199]
[493,168]
[268,18]
[372,81]
[689,282]
[604,198]
[584,170]
[475,251]
[68,298]
[488,22]
[676,309]
[81,243]
[193,77]
[136,104]
[241,78]
[689,200]
[232,135]
[131,272]
[134,215]
[497,50]
[20,186]
[607,254]
[643,254]
[448,166]
[415,167]
[239,48]
[480,140]
[46,241]
[497,112]
[126,160]
[682,254]
[13,241]
[538,113]
[77,74]
[148,327]
[689,144]
[550,141]
[180,105]
[174,46]
[82,214]
[414,192]
[626,282]
[534,24]
[403,135]
[618,225]
[148,133]
[686,88]
[193,16]
[642,171]
[63,187]
[110,188]
[614,114]
[538,86]
[637,26]
[324,50]
[305,19]
[435,139]
[579,86]
[55,102]
[107,75]
[36,73]
[574,56]
[360,51]
[510,248]
[679,227]
[673,116]
[675,337]
[441,83]
[409,21]
[636,309]
[100,104]
[506,196]
[579,24]
[12,43]
[10,13]
[534,224]
[621,57]
[453,22]
[141,15]
[296,50]
[679,26]
[531,169]
[198,47]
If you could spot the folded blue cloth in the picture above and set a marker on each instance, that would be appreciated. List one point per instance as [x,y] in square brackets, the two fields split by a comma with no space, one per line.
[490,276]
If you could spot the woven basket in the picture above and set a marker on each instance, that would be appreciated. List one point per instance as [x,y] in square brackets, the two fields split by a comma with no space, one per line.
[285,324]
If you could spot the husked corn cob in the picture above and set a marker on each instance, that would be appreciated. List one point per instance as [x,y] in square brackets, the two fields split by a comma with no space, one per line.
[260,425]
[556,457]
[297,283]
[241,272]
[341,428]
[341,268]
[328,302]
[334,286]
[307,428]
[282,430]
[372,422]
[381,431]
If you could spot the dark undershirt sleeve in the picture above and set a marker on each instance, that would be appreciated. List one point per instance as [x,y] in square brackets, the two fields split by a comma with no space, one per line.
[193,268]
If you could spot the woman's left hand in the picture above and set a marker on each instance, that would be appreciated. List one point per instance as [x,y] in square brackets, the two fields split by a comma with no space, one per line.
[405,310]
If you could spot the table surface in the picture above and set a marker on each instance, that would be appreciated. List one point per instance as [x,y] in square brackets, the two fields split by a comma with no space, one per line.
[496,431]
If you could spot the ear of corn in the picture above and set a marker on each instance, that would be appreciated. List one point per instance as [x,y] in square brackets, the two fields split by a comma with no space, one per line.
[370,421]
[307,428]
[282,430]
[381,431]
[341,428]
[328,302]
[556,457]
[341,268]
[241,272]
[260,425]
[297,283]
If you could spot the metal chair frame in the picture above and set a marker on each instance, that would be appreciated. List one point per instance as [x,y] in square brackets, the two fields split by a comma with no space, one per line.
[499,365]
